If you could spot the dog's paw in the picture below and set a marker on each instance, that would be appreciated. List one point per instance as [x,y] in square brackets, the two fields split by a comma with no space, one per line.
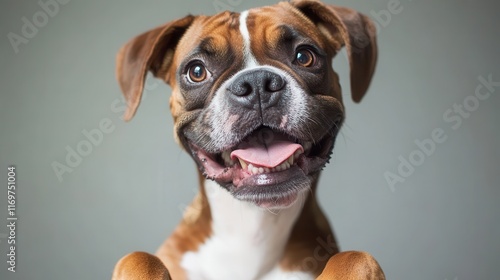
[140,266]
[352,265]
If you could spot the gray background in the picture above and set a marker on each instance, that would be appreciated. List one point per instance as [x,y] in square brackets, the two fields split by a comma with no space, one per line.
[442,222]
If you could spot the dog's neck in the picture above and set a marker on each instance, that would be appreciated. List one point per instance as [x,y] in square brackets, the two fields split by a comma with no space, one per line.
[232,218]
[251,237]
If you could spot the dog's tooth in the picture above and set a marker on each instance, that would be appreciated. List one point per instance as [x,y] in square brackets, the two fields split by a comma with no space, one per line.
[255,170]
[261,170]
[226,156]
[250,168]
[307,146]
[243,164]
[267,170]
[297,154]
[282,167]
[290,160]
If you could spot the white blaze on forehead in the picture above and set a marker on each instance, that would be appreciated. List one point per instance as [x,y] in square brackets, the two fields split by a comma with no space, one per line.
[250,60]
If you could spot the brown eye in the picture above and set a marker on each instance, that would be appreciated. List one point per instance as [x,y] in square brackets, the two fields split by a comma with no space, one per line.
[305,58]
[197,73]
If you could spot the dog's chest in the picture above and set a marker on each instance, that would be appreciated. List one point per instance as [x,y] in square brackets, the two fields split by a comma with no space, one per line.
[247,241]
[221,260]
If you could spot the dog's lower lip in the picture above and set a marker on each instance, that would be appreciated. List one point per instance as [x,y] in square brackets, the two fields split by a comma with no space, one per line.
[269,179]
[279,189]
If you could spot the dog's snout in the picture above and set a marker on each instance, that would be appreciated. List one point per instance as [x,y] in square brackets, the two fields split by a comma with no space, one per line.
[257,86]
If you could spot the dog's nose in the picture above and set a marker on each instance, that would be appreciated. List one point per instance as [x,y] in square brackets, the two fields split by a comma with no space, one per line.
[257,86]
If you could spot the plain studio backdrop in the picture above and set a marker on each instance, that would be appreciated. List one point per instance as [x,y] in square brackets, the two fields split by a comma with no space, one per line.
[414,178]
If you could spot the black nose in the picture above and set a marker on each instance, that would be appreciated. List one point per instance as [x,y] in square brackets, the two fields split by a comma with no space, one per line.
[257,86]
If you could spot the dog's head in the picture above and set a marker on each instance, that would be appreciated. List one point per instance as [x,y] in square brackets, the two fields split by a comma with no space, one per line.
[254,97]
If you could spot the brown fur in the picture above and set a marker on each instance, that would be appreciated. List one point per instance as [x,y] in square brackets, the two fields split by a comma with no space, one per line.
[352,265]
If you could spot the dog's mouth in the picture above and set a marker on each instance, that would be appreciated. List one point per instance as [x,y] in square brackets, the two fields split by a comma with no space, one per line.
[268,168]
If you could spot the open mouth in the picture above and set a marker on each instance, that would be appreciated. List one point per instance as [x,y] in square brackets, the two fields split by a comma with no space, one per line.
[268,167]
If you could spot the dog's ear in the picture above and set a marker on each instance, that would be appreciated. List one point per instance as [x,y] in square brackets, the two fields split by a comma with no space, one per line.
[355,31]
[151,51]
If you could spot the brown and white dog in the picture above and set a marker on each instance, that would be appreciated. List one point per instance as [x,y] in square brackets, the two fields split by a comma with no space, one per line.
[256,103]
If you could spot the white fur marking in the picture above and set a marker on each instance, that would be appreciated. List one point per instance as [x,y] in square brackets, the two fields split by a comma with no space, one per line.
[250,60]
[247,241]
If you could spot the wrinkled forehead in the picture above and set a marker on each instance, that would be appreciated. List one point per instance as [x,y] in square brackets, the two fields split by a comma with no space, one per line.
[258,28]
[214,35]
[273,25]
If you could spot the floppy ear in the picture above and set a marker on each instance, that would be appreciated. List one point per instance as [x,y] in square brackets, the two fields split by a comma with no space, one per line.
[151,51]
[355,31]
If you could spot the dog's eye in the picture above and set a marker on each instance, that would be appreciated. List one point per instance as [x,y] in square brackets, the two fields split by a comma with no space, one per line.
[197,73]
[305,58]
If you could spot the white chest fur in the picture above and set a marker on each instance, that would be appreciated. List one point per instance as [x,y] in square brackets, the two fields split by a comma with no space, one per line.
[247,241]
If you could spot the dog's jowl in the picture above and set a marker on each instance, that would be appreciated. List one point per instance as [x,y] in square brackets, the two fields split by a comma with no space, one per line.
[257,104]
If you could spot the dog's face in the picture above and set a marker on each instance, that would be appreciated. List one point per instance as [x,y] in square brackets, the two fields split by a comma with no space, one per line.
[255,99]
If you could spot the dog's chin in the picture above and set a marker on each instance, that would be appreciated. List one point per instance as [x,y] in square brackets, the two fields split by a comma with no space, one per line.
[276,182]
[273,190]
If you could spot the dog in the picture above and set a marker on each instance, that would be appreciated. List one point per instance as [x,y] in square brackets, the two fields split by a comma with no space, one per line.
[256,103]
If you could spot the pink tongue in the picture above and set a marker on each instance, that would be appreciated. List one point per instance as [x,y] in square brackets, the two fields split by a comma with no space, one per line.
[266,155]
